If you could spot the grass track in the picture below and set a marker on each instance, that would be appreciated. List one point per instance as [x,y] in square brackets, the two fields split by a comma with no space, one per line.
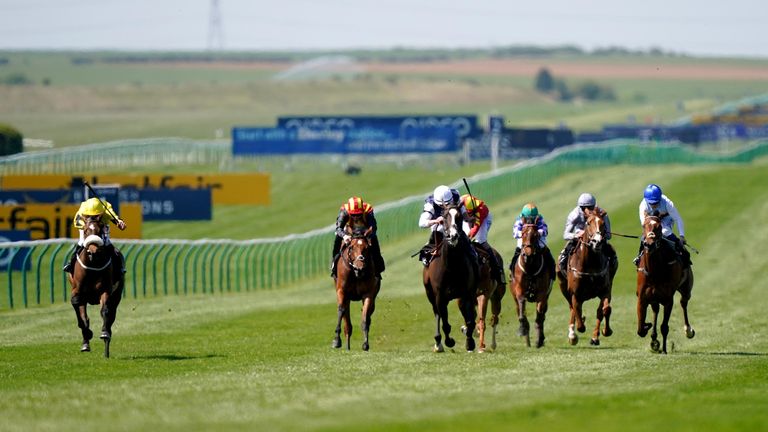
[262,361]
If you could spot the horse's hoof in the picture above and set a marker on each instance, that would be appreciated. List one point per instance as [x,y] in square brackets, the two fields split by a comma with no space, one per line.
[365,346]
[539,343]
[336,343]
[607,332]
[450,342]
[493,346]
[690,332]
[595,342]
[86,347]
[438,349]
[470,346]
[581,329]
[655,345]
[573,340]
[105,335]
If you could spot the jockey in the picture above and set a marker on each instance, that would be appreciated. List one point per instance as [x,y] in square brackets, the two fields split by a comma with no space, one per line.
[530,211]
[432,215]
[356,214]
[477,229]
[574,226]
[95,207]
[655,201]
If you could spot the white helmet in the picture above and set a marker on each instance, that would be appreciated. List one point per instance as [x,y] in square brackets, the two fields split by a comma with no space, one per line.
[442,195]
[586,200]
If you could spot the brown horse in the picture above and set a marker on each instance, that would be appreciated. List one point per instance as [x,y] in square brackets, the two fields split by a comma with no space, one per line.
[660,273]
[452,274]
[488,290]
[97,278]
[531,278]
[356,281]
[589,274]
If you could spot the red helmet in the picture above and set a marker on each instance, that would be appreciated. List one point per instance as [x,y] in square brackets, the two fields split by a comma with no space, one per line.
[355,206]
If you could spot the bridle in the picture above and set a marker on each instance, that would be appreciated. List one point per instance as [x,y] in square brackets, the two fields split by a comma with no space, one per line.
[530,243]
[357,261]
[451,228]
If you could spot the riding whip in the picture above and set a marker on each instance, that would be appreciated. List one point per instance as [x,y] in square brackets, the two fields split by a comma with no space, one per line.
[625,235]
[471,197]
[114,216]
[691,247]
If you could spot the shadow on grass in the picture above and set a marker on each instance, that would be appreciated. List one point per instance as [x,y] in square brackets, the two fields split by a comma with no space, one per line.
[729,353]
[176,357]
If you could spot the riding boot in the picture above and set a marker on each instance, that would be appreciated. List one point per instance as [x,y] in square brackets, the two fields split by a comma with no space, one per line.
[69,267]
[378,259]
[562,259]
[497,271]
[514,261]
[333,266]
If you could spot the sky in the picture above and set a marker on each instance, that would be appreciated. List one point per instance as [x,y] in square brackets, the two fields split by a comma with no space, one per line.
[734,28]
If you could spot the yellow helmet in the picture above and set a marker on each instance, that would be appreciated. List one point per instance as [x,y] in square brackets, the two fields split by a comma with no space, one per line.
[469,201]
[92,207]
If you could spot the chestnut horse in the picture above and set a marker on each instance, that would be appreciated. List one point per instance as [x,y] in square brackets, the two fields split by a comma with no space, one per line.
[589,274]
[356,281]
[531,279]
[97,278]
[488,291]
[660,273]
[452,274]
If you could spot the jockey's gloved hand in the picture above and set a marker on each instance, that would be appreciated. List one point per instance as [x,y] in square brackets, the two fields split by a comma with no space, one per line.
[682,240]
[439,220]
[347,238]
[121,224]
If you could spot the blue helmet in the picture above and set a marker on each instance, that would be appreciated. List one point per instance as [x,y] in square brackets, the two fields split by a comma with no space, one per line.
[652,194]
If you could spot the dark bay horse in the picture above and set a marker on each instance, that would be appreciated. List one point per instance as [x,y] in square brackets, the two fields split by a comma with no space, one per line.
[356,281]
[488,291]
[589,274]
[660,273]
[97,278]
[452,274]
[531,279]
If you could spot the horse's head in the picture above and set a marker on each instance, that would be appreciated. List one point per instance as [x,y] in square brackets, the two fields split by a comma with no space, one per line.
[652,230]
[92,233]
[530,237]
[594,234]
[357,255]
[452,221]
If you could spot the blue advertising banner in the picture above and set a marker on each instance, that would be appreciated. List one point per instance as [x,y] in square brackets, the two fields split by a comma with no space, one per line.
[298,140]
[108,193]
[171,204]
[465,125]
[7,256]
[36,196]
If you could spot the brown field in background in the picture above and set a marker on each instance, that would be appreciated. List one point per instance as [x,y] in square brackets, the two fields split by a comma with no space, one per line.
[529,67]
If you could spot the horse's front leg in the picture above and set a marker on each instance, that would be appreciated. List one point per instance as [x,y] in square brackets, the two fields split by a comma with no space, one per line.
[84,323]
[642,310]
[606,309]
[468,312]
[339,314]
[369,305]
[524,329]
[482,309]
[495,313]
[347,322]
[685,295]
[106,330]
[442,307]
[665,324]
[541,314]
[655,345]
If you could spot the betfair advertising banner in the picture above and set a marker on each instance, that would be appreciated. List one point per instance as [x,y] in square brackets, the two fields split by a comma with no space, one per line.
[55,220]
[235,188]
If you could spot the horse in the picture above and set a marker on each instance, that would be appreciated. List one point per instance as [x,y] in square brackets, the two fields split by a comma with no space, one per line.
[97,278]
[661,272]
[452,273]
[356,281]
[489,290]
[531,280]
[589,274]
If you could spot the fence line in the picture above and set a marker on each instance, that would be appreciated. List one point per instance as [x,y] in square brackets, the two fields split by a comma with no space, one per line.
[179,267]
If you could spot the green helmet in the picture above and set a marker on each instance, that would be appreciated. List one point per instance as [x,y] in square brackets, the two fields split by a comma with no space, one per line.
[529,210]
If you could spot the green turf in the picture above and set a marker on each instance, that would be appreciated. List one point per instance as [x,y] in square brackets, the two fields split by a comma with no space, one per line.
[262,360]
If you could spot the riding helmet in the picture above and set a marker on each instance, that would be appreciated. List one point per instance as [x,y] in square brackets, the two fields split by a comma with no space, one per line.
[355,206]
[652,194]
[442,195]
[529,210]
[92,207]
[586,200]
